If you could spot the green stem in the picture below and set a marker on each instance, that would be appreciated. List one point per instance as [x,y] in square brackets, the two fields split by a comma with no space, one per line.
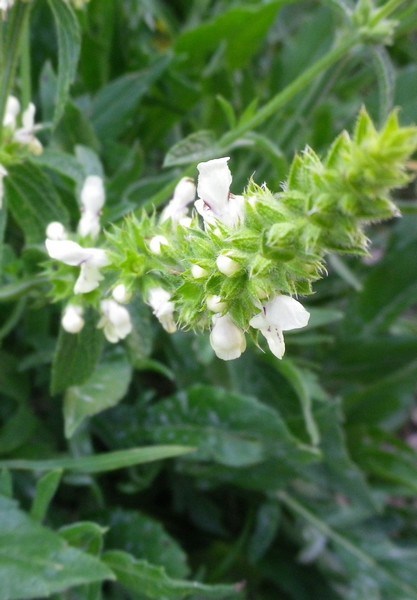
[345,543]
[18,18]
[292,90]
[25,66]
[386,10]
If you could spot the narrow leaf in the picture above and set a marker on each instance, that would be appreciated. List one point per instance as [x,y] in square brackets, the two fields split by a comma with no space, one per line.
[69,43]
[100,463]
[45,491]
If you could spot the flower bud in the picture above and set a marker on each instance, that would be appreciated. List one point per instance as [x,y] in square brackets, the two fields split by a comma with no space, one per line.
[227,265]
[226,338]
[215,304]
[198,272]
[56,231]
[163,309]
[121,294]
[12,107]
[156,242]
[72,319]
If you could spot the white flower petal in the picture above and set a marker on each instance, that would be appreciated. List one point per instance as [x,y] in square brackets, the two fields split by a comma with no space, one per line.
[67,251]
[12,109]
[163,309]
[93,195]
[115,321]
[226,338]
[89,224]
[275,339]
[215,304]
[88,279]
[156,243]
[286,313]
[227,265]
[121,294]
[214,183]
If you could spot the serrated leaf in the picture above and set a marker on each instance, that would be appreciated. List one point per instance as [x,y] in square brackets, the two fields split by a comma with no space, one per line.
[100,463]
[230,429]
[105,388]
[69,43]
[35,562]
[198,146]
[155,584]
[85,535]
[75,357]
[33,201]
[146,538]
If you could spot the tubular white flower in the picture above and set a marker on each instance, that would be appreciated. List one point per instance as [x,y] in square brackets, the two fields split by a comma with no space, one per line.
[198,272]
[72,319]
[162,307]
[215,200]
[56,231]
[3,174]
[121,294]
[215,304]
[227,339]
[176,209]
[115,321]
[156,242]
[93,195]
[12,104]
[227,265]
[90,261]
[280,314]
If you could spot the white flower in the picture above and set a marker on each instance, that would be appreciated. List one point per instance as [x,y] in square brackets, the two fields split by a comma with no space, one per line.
[226,338]
[89,224]
[176,209]
[198,272]
[156,242]
[163,309]
[5,5]
[282,313]
[93,198]
[227,265]
[3,174]
[12,105]
[89,259]
[215,200]
[215,304]
[115,321]
[72,319]
[93,195]
[26,134]
[121,294]
[56,231]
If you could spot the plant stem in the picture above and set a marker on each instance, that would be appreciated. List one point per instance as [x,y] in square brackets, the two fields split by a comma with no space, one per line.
[25,66]
[11,49]
[386,10]
[292,90]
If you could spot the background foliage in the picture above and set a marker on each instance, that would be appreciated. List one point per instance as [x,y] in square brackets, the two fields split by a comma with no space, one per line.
[291,480]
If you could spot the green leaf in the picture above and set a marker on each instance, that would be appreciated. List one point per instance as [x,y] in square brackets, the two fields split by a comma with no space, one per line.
[35,562]
[230,429]
[242,30]
[45,491]
[154,583]
[105,388]
[69,43]
[61,162]
[116,103]
[85,535]
[145,538]
[33,201]
[100,463]
[76,356]
[13,291]
[198,146]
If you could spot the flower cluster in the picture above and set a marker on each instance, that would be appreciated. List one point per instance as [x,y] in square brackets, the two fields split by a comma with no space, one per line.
[19,131]
[115,319]
[236,265]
